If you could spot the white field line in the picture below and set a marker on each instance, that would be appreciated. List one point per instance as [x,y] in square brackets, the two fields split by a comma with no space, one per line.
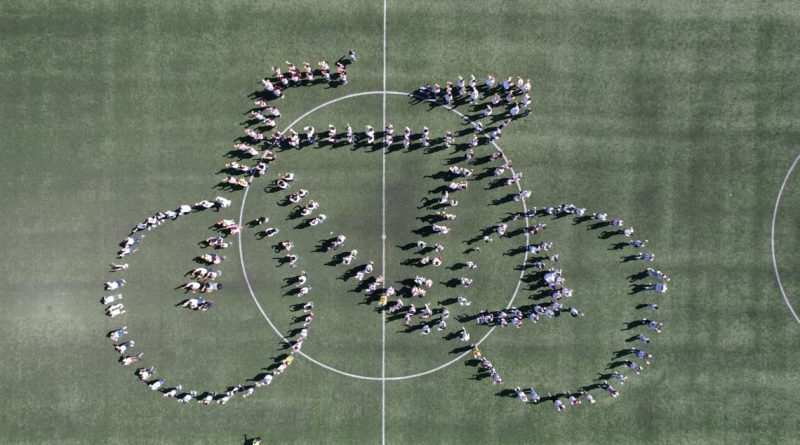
[383,243]
[772,239]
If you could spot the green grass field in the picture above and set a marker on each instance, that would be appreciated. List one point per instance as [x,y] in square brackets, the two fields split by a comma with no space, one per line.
[679,117]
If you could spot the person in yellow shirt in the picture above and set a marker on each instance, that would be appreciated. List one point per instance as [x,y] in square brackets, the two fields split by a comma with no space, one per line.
[476,352]
[383,300]
[288,360]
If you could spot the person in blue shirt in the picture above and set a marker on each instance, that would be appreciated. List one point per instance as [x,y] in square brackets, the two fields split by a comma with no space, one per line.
[534,395]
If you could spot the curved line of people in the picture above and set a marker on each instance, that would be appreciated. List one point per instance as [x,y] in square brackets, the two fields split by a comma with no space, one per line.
[553,279]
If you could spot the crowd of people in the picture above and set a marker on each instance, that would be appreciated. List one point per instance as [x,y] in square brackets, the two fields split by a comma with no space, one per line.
[515,96]
[503,101]
[551,278]
[204,281]
[205,278]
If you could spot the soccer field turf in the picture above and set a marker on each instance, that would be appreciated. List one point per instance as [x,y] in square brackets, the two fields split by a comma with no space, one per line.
[679,117]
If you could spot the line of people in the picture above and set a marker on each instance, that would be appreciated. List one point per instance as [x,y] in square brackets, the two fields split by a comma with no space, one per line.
[553,278]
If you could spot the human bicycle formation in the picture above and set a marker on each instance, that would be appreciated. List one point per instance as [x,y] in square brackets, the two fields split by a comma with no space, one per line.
[512,94]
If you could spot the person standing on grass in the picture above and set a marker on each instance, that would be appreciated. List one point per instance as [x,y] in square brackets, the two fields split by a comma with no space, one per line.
[521,395]
[642,355]
[292,259]
[525,101]
[646,256]
[111,298]
[653,325]
[331,134]
[145,373]
[534,395]
[657,274]
[489,82]
[116,284]
[473,96]
[610,389]
[633,366]
[311,135]
[370,132]
[187,397]
[268,86]
[121,348]
[397,306]
[507,84]
[448,139]
[476,352]
[173,392]
[448,97]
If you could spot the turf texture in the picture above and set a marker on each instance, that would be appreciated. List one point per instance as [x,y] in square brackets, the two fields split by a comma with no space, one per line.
[678,117]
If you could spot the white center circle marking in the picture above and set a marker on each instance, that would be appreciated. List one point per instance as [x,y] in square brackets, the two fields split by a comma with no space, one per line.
[383,236]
